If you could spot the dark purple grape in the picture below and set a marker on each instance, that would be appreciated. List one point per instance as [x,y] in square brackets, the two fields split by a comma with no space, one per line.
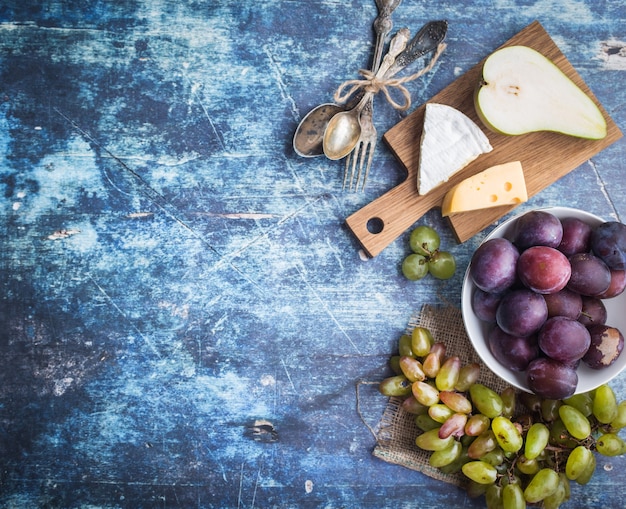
[485,305]
[564,303]
[593,311]
[513,352]
[576,236]
[564,339]
[607,344]
[537,228]
[551,379]
[617,286]
[493,264]
[521,312]
[590,275]
[608,242]
[543,269]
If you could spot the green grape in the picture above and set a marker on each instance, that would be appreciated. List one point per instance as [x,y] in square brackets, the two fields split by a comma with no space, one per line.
[440,412]
[454,426]
[493,497]
[415,267]
[543,484]
[610,444]
[412,368]
[605,404]
[527,466]
[448,374]
[513,497]
[442,265]
[394,364]
[467,376]
[483,444]
[455,466]
[424,240]
[577,462]
[430,441]
[456,401]
[550,409]
[404,346]
[412,406]
[425,422]
[507,434]
[581,402]
[575,422]
[477,424]
[421,341]
[561,494]
[486,401]
[537,438]
[495,457]
[425,393]
[620,420]
[397,385]
[446,456]
[587,474]
[509,401]
[480,472]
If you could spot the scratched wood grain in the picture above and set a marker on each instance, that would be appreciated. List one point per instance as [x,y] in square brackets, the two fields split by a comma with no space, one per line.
[171,272]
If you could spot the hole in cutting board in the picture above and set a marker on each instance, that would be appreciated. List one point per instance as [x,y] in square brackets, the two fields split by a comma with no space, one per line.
[375,225]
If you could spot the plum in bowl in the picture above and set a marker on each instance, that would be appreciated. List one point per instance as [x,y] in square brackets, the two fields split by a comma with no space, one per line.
[532,318]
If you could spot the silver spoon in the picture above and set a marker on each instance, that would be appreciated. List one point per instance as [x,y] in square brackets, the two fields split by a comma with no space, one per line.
[307,140]
[344,129]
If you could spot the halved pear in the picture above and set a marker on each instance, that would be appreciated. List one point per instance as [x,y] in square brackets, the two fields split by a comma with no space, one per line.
[522,91]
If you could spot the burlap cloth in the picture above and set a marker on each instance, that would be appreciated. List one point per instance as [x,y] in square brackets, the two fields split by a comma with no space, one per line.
[395,439]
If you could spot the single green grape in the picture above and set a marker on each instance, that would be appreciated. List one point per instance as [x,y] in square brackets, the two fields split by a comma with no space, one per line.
[480,472]
[448,374]
[611,444]
[575,422]
[536,440]
[582,402]
[446,456]
[577,462]
[412,368]
[424,240]
[605,404]
[442,265]
[620,420]
[543,484]
[415,267]
[430,441]
[425,422]
[397,385]
[486,401]
[484,443]
[513,497]
[467,376]
[421,341]
[587,474]
[508,436]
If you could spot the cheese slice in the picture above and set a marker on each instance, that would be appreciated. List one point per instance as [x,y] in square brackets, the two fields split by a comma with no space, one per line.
[503,184]
[450,141]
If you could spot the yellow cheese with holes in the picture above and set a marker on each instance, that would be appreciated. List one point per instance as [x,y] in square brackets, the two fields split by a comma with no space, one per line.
[499,185]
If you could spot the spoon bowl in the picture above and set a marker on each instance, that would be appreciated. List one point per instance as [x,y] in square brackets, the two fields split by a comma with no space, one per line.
[308,138]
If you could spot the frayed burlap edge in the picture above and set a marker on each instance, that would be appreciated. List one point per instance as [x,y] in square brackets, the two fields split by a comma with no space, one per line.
[395,440]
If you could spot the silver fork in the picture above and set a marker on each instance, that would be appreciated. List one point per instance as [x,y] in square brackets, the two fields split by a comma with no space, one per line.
[363,151]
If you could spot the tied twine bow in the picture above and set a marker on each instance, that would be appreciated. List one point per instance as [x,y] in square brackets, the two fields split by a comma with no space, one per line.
[372,84]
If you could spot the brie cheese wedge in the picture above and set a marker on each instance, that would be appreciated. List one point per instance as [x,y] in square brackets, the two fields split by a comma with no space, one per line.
[450,141]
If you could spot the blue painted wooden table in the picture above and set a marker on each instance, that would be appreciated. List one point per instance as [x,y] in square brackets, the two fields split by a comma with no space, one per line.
[171,271]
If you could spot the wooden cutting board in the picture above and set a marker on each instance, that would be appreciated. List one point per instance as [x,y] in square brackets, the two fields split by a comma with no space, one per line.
[545,157]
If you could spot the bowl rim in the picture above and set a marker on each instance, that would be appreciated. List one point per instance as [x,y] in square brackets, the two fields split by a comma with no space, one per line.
[588,378]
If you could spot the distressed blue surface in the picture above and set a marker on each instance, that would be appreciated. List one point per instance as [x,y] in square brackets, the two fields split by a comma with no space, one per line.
[171,271]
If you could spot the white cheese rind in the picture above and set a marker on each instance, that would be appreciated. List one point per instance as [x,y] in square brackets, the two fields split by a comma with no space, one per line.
[450,141]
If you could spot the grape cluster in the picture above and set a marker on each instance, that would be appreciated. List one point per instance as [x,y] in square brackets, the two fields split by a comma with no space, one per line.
[513,448]
[543,292]
[426,257]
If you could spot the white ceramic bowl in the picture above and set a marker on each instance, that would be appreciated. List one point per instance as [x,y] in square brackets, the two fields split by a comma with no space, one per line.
[477,330]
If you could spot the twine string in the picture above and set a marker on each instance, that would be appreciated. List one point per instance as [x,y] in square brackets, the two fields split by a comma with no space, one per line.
[371,84]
